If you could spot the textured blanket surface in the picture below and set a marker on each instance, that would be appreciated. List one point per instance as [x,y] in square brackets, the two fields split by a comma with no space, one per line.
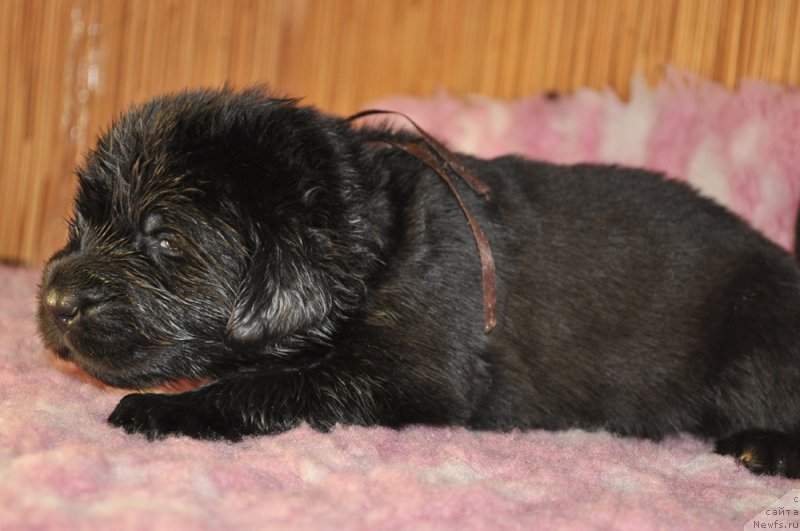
[62,467]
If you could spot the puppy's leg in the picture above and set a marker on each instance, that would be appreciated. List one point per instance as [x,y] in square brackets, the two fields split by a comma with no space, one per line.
[260,402]
[764,452]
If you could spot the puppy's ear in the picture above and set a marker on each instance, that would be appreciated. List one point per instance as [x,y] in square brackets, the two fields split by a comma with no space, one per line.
[280,295]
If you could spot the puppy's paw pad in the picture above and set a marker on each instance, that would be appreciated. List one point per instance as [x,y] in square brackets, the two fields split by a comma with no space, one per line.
[764,452]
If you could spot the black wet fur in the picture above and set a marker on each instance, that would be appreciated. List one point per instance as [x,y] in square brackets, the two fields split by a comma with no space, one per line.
[318,276]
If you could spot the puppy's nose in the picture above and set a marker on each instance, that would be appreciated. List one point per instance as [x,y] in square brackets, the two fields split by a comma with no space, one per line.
[64,307]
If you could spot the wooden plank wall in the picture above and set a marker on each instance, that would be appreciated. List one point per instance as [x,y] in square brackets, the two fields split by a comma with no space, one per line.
[68,66]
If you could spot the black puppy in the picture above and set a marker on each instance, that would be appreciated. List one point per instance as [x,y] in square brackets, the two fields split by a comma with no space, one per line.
[322,273]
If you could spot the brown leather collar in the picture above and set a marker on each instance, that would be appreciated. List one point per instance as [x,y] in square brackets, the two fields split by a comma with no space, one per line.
[441,160]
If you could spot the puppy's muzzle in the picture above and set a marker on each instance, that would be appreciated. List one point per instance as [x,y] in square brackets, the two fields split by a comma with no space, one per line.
[65,297]
[63,306]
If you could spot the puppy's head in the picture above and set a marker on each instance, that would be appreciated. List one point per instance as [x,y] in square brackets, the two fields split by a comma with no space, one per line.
[209,229]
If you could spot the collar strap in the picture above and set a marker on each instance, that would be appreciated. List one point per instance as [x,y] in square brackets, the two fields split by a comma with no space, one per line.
[441,160]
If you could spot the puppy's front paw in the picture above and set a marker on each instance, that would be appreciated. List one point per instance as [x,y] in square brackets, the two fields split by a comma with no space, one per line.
[157,416]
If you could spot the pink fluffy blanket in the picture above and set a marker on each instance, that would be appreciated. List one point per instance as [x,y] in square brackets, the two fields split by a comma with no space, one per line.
[62,467]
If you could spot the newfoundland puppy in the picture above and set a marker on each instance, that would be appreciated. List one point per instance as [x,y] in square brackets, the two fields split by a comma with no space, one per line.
[308,269]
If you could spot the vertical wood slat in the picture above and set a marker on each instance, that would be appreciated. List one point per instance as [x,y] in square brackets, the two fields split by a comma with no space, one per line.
[339,55]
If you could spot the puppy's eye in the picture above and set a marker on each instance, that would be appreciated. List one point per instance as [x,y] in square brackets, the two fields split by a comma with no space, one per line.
[167,245]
